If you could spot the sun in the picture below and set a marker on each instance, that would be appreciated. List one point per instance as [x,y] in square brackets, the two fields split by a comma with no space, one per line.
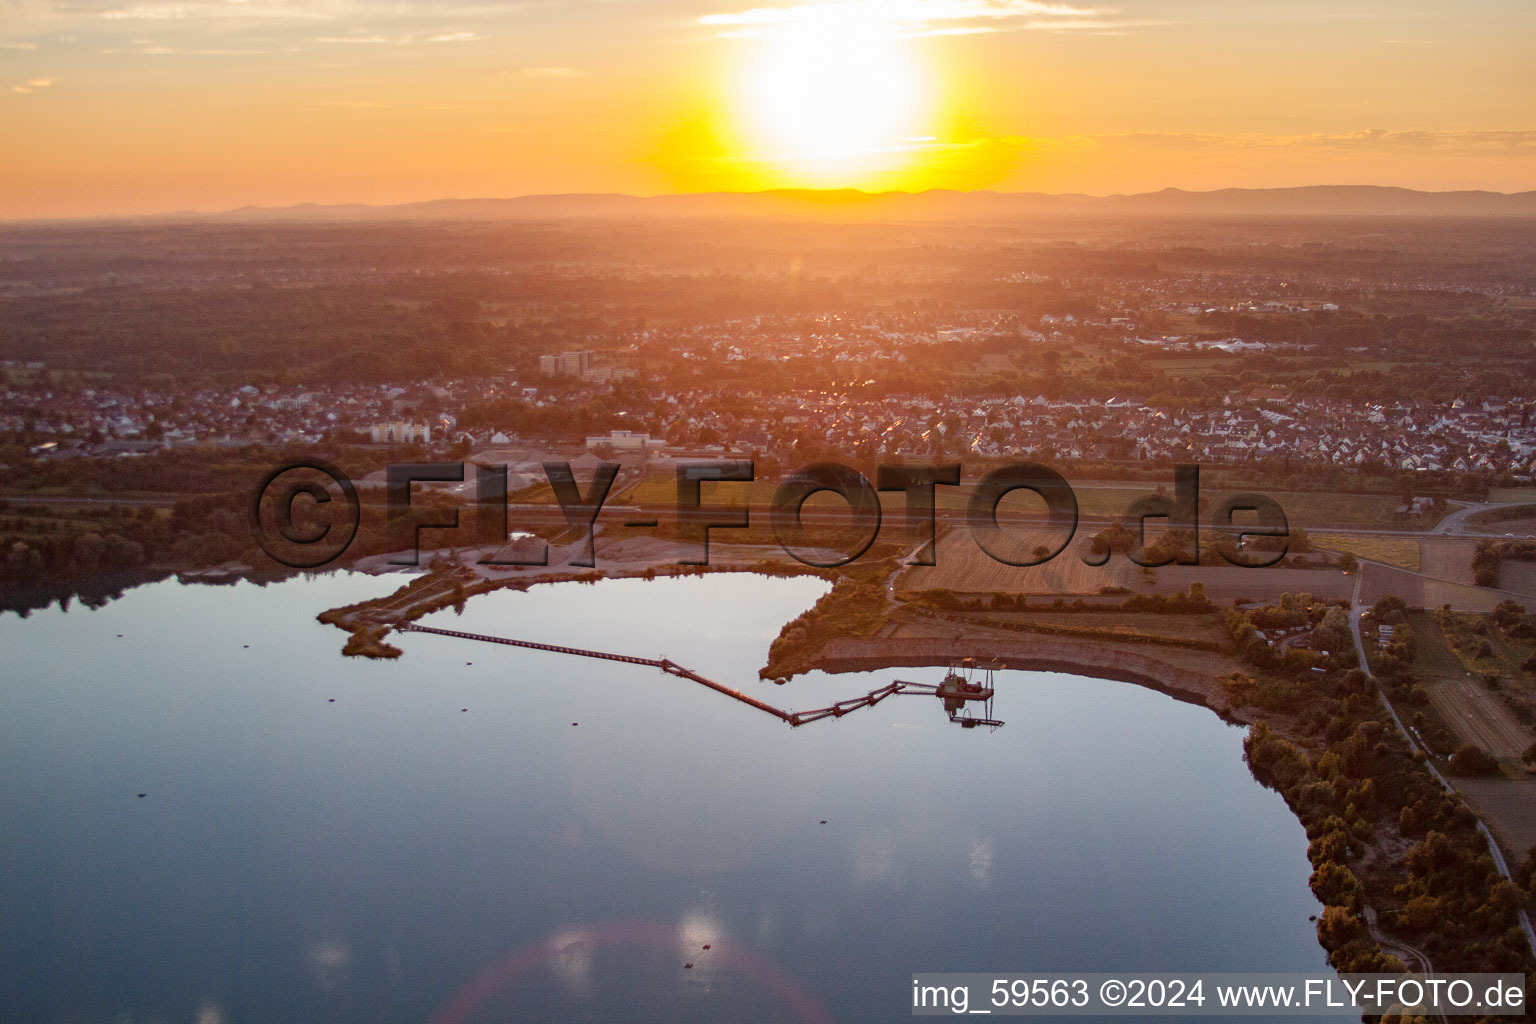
[834,98]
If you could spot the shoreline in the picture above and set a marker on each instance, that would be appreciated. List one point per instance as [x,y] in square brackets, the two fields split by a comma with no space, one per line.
[922,653]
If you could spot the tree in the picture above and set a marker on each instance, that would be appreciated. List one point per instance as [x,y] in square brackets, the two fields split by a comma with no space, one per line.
[1473,760]
[1336,886]
[1422,913]
[1508,613]
[1337,928]
[1332,634]
[1330,847]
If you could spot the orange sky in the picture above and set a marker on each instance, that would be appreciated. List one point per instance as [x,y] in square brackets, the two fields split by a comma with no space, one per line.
[133,106]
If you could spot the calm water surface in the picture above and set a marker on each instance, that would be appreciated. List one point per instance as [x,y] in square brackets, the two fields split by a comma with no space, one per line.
[391,857]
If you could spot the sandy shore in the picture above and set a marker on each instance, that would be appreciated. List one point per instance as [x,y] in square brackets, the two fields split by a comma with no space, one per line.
[1187,675]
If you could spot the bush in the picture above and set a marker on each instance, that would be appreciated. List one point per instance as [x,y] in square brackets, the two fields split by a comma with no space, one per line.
[1473,760]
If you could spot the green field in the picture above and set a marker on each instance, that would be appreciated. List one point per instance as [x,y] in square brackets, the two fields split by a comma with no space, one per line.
[1433,657]
[1402,552]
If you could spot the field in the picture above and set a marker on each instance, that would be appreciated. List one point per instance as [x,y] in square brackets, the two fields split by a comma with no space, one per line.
[1314,510]
[1114,625]
[1378,581]
[965,568]
[1227,584]
[661,489]
[1402,552]
[1447,558]
[1464,703]
[1478,717]
[1513,519]
[1508,806]
[1196,366]
[1434,658]
[1519,577]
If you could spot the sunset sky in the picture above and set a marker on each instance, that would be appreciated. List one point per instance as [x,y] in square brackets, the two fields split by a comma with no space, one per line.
[133,106]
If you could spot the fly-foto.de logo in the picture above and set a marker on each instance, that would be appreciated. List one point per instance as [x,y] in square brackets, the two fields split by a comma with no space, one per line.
[307,513]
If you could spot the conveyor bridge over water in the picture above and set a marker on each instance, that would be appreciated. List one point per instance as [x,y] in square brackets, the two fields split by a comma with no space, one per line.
[957,690]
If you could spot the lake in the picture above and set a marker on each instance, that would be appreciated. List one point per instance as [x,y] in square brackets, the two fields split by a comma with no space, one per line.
[475,832]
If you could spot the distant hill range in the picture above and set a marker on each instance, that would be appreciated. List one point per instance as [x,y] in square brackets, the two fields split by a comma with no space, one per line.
[1309,201]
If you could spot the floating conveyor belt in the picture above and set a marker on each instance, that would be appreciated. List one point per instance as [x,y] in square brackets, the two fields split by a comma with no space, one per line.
[794,718]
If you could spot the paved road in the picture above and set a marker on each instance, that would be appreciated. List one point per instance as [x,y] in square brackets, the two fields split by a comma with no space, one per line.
[1455,522]
[541,513]
[53,499]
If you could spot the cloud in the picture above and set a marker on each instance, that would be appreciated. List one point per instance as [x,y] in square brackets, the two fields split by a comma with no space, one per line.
[901,10]
[32,85]
[1512,141]
[180,10]
[241,11]
[18,46]
[441,11]
[551,72]
[926,17]
[161,51]
[367,39]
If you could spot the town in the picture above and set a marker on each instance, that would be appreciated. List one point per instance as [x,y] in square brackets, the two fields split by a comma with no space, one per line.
[1486,434]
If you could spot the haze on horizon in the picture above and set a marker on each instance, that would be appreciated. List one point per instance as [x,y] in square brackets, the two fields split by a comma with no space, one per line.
[140,106]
